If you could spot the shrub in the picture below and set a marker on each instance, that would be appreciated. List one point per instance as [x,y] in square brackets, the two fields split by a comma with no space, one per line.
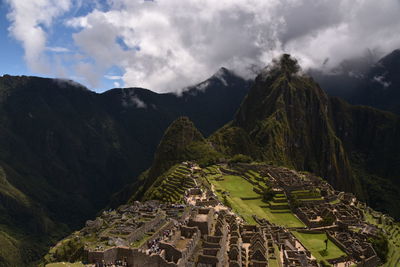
[268,195]
[328,220]
[240,158]
[381,246]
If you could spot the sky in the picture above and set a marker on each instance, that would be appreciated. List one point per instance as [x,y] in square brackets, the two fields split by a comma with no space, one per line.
[167,45]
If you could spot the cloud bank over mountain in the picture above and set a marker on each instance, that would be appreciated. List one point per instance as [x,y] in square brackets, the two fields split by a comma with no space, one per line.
[166,45]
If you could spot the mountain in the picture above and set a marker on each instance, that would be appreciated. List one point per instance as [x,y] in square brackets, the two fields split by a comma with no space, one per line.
[371,139]
[181,142]
[380,87]
[64,150]
[365,81]
[288,120]
[285,120]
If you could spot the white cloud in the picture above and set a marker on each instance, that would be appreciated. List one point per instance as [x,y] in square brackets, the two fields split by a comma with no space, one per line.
[182,42]
[138,103]
[129,99]
[29,20]
[89,74]
[381,81]
[113,77]
[57,49]
[166,45]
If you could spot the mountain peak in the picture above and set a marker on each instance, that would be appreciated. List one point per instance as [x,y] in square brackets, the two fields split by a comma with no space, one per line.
[280,117]
[177,137]
[280,86]
[284,65]
[223,75]
[391,61]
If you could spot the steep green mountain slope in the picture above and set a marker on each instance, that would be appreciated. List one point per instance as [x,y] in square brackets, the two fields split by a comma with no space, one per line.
[287,119]
[181,142]
[64,150]
[372,140]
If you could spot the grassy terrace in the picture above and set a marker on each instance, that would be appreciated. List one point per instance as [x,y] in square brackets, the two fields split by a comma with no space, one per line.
[393,235]
[173,186]
[307,195]
[65,264]
[246,202]
[315,243]
[139,243]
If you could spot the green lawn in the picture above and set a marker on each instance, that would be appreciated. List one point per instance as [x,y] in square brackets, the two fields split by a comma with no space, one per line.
[273,263]
[239,189]
[65,264]
[315,244]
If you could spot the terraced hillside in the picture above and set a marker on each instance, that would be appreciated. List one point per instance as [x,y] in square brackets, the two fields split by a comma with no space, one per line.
[171,186]
[392,230]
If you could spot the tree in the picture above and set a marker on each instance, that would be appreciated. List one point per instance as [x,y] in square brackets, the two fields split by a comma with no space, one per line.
[286,65]
[381,246]
[226,202]
[294,202]
[240,158]
[328,220]
[268,194]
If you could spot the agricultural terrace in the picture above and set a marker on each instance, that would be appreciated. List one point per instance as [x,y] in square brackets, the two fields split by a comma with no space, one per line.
[392,233]
[171,186]
[238,193]
[65,264]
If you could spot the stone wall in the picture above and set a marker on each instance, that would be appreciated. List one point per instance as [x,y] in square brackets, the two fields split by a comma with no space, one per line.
[133,257]
[337,242]
[204,226]
[370,262]
[138,234]
[206,203]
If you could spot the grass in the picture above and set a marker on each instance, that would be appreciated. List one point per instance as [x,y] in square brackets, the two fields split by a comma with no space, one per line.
[394,241]
[9,248]
[140,242]
[172,185]
[239,190]
[65,264]
[336,201]
[273,263]
[315,243]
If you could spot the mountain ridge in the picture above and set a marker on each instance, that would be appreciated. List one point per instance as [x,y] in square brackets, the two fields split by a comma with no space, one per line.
[67,149]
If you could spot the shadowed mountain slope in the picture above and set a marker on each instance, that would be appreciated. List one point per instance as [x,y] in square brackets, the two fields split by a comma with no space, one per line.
[64,150]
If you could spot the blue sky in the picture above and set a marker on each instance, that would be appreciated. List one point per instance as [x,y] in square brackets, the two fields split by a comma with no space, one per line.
[167,45]
[59,48]
[11,53]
